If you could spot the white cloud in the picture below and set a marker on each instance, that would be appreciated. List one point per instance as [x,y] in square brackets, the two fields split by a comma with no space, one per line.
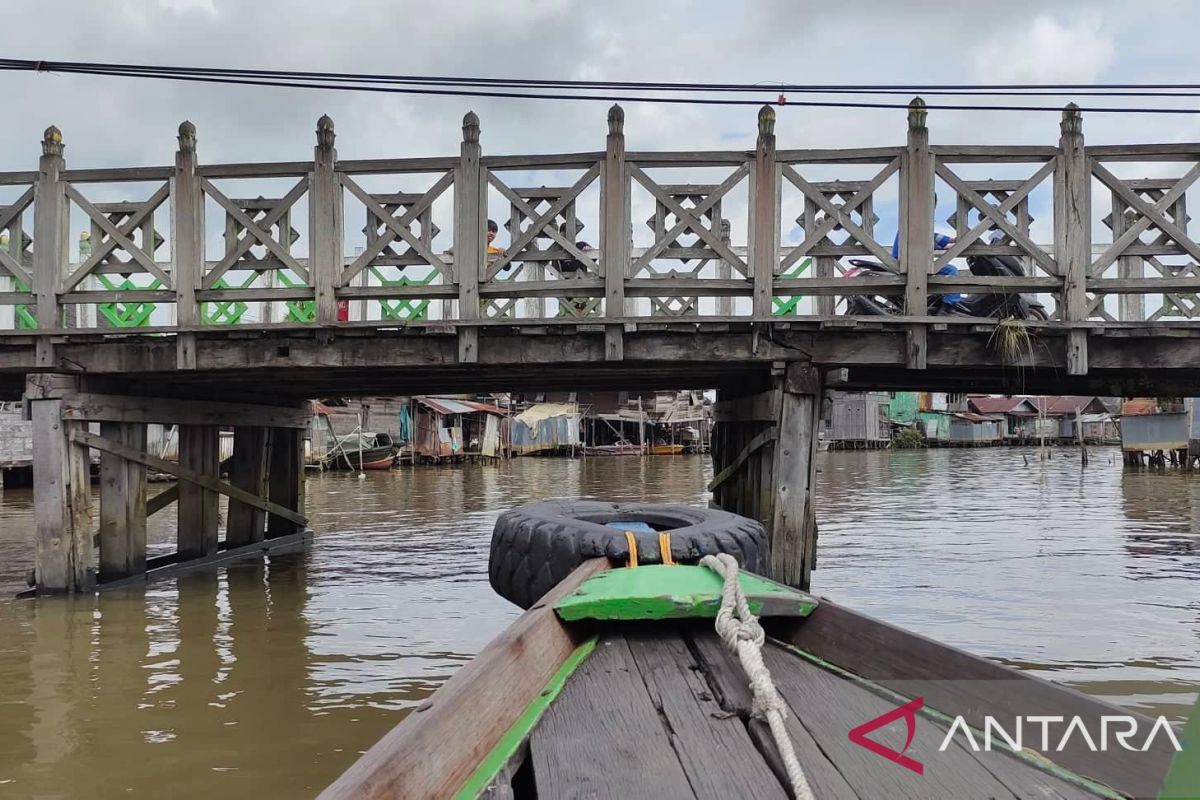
[1046,51]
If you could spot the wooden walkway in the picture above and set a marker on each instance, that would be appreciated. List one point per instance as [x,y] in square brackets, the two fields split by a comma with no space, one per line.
[668,717]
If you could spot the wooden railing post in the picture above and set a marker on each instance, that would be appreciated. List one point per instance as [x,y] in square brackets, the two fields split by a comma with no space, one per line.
[469,233]
[724,272]
[1072,233]
[325,224]
[764,214]
[916,229]
[615,236]
[187,243]
[50,220]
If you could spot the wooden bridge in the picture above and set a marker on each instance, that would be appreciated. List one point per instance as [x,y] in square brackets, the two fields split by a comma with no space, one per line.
[234,292]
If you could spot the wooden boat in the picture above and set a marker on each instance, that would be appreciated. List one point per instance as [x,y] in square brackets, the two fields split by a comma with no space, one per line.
[661,448]
[371,451]
[614,685]
[621,448]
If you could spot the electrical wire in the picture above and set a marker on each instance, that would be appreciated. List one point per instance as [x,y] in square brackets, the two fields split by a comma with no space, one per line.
[541,89]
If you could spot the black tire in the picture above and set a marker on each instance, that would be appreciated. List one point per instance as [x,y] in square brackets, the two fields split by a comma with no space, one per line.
[536,546]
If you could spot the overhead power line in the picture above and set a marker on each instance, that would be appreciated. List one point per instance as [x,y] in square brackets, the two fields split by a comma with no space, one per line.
[631,91]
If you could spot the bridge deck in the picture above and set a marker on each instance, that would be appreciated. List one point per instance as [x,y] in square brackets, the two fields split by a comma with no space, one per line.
[297,361]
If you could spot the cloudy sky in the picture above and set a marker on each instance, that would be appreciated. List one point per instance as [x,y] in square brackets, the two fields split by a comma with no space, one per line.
[120,122]
[109,121]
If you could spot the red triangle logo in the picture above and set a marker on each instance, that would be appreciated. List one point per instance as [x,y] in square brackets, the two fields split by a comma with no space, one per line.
[908,712]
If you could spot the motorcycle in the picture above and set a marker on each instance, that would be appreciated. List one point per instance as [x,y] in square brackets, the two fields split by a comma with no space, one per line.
[998,305]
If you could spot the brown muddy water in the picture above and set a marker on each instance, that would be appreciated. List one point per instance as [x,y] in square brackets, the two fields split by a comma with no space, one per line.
[267,680]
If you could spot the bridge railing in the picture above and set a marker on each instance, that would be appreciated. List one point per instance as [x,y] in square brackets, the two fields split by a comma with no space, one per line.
[610,237]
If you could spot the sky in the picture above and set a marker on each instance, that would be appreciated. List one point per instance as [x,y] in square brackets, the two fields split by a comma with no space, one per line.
[124,122]
[111,121]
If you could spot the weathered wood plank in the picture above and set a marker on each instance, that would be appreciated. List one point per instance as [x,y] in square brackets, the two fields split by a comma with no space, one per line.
[197,509]
[325,208]
[1073,233]
[727,679]
[747,450]
[127,408]
[761,407]
[605,720]
[208,482]
[429,755]
[615,234]
[829,707]
[957,683]
[123,506]
[50,497]
[245,523]
[470,216]
[763,260]
[793,526]
[916,230]
[716,751]
[285,481]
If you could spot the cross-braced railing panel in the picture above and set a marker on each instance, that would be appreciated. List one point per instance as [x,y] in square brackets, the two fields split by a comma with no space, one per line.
[830,221]
[16,262]
[551,251]
[993,217]
[122,240]
[1147,268]
[690,251]
[404,264]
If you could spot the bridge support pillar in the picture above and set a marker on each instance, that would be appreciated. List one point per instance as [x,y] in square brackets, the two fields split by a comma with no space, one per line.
[70,420]
[64,557]
[764,460]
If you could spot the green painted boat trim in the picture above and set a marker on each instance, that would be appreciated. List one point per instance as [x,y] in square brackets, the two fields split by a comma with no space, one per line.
[1184,775]
[512,739]
[1028,756]
[665,591]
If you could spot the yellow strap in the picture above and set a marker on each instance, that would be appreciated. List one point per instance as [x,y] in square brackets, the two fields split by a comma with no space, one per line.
[633,555]
[664,548]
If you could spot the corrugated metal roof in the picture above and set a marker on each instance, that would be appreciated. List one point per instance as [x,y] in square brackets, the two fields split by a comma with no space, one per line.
[444,405]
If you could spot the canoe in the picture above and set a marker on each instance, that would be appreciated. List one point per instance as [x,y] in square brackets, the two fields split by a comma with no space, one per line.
[614,684]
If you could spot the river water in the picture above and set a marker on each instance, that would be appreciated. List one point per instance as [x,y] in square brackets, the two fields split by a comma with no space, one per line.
[267,680]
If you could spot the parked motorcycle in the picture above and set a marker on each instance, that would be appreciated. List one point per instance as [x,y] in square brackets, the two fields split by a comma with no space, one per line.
[999,305]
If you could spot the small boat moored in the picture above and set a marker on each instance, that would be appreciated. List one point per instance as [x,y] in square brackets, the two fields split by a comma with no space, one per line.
[614,684]
[362,451]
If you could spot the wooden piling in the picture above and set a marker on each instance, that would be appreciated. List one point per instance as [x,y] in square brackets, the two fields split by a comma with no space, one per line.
[246,524]
[50,221]
[286,478]
[199,451]
[122,504]
[615,238]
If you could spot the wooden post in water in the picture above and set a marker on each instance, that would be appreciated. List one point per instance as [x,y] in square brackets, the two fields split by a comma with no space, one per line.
[50,226]
[246,524]
[615,234]
[199,451]
[64,560]
[1072,233]
[187,243]
[470,217]
[793,527]
[325,224]
[122,504]
[285,478]
[916,229]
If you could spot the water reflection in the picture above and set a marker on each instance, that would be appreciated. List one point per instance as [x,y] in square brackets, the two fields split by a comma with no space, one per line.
[266,680]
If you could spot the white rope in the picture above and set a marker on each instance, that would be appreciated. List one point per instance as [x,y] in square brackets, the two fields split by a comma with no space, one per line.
[741,631]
